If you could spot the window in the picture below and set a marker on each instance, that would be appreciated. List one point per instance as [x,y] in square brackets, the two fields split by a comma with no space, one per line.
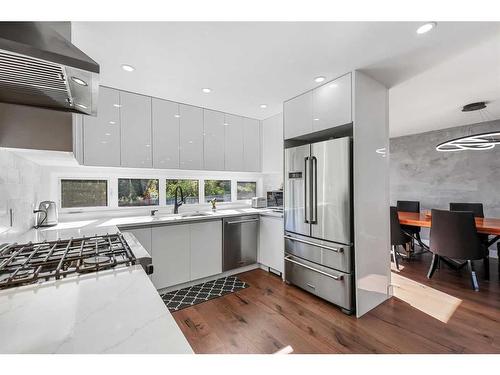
[84,193]
[246,190]
[218,189]
[189,189]
[137,192]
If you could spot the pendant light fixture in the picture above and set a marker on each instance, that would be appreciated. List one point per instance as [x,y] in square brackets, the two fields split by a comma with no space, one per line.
[477,142]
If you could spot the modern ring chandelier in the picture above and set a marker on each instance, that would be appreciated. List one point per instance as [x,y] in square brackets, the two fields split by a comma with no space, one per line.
[478,142]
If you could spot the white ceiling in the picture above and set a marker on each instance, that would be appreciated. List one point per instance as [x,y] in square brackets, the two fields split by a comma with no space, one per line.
[250,63]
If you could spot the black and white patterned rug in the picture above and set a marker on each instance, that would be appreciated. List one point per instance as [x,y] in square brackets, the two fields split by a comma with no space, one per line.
[182,298]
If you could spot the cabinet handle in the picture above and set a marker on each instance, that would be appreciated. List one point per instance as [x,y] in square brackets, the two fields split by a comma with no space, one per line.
[241,221]
[336,249]
[334,277]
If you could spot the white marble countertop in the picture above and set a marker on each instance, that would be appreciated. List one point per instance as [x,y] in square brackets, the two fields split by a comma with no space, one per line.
[103,225]
[113,311]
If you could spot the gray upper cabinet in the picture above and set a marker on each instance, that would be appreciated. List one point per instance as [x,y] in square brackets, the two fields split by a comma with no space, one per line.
[138,131]
[298,115]
[101,134]
[233,143]
[191,137]
[213,138]
[135,114]
[166,118]
[251,145]
[332,104]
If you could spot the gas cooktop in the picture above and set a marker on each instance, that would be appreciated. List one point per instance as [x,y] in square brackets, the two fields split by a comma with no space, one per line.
[35,262]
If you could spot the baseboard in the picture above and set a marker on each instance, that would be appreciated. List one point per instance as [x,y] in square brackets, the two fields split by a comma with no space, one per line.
[210,278]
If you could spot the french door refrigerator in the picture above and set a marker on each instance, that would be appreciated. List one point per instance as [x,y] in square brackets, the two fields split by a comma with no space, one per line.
[318,220]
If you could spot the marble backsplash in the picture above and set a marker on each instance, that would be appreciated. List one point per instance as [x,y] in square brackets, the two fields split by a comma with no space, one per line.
[20,182]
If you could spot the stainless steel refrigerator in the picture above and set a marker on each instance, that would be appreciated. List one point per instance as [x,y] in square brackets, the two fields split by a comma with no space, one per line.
[318,220]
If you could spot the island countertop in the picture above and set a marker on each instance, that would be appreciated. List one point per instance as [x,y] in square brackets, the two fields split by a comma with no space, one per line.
[113,311]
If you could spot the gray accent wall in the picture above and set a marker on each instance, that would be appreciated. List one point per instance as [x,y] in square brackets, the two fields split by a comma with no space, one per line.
[419,172]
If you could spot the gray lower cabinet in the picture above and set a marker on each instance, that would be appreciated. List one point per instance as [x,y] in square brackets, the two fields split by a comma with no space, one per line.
[297,115]
[233,143]
[213,138]
[206,249]
[135,112]
[185,252]
[171,255]
[332,104]
[101,134]
[251,145]
[165,117]
[191,137]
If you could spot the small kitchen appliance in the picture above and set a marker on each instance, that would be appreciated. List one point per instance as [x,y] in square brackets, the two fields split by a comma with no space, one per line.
[46,215]
[259,202]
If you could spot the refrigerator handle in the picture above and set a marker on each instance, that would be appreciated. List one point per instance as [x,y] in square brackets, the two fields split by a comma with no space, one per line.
[314,191]
[306,183]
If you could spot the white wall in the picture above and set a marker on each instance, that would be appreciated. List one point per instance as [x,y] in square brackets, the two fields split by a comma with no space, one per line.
[20,181]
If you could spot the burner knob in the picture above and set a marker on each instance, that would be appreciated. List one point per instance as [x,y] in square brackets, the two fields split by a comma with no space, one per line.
[149,269]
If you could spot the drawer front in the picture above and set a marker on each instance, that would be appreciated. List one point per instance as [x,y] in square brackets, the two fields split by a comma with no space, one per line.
[333,286]
[320,252]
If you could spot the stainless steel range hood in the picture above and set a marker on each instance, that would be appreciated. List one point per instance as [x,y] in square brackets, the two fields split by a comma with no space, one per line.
[38,67]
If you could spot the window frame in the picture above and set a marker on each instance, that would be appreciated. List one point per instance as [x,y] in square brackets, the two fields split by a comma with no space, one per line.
[136,178]
[219,179]
[184,179]
[86,208]
[245,199]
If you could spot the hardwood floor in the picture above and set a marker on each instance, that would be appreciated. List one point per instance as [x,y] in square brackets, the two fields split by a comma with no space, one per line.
[269,315]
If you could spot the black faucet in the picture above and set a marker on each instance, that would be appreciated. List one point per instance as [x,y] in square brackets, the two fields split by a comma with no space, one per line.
[177,204]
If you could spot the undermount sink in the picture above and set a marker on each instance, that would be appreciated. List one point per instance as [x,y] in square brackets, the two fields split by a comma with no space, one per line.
[195,214]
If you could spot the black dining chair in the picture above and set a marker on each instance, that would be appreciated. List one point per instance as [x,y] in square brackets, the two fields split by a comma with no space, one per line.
[414,232]
[454,239]
[398,237]
[478,211]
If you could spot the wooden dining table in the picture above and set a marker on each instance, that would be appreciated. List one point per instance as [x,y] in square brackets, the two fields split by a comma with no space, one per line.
[485,225]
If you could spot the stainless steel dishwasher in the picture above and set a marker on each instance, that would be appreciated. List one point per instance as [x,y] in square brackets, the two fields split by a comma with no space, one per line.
[240,241]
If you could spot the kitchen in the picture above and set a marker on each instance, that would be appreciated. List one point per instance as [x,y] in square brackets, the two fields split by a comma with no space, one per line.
[207,219]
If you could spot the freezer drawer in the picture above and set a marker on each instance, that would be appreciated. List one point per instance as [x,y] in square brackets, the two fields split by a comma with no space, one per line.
[333,286]
[240,241]
[325,253]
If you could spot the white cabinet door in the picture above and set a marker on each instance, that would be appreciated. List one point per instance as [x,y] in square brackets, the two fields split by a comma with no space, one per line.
[143,235]
[251,145]
[213,137]
[165,117]
[234,143]
[271,243]
[171,255]
[101,134]
[135,112]
[332,104]
[206,249]
[191,137]
[298,115]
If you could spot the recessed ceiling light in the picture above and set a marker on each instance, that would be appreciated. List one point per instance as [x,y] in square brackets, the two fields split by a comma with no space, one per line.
[426,27]
[177,116]
[263,106]
[316,119]
[319,79]
[128,68]
[81,105]
[112,122]
[117,105]
[80,81]
[206,90]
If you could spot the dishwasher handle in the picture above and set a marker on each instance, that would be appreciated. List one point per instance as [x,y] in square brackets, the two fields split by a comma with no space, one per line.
[242,221]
